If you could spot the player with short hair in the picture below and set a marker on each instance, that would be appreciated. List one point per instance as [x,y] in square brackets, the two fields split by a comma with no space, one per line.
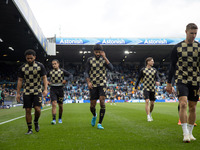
[150,77]
[95,74]
[57,79]
[185,61]
[32,72]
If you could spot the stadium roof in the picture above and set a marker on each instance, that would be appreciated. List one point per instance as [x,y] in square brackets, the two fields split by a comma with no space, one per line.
[16,33]
[115,53]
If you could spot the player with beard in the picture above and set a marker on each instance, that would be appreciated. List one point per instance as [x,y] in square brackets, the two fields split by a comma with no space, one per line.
[95,74]
[32,72]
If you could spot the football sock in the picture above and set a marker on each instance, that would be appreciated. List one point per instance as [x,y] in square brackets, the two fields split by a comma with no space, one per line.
[101,116]
[54,116]
[29,125]
[93,111]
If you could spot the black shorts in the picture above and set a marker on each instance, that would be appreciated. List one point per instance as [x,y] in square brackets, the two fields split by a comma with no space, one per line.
[188,90]
[31,101]
[57,94]
[149,95]
[96,92]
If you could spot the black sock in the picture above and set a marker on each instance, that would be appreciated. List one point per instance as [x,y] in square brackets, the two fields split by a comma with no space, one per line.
[54,116]
[102,113]
[36,119]
[93,110]
[29,125]
[60,116]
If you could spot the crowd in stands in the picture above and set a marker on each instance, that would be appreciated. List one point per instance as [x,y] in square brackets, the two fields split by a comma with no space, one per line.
[120,85]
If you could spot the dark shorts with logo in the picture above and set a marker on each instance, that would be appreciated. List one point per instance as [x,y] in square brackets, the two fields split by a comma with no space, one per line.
[149,95]
[31,101]
[188,90]
[96,92]
[57,94]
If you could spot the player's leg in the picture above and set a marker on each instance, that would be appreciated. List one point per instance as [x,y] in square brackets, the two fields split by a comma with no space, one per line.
[102,111]
[37,103]
[151,108]
[152,102]
[60,104]
[193,98]
[93,100]
[54,104]
[28,107]
[53,97]
[60,112]
[102,97]
[93,111]
[179,122]
[146,95]
[183,93]
[29,120]
[37,116]
[183,117]
[147,109]
[191,118]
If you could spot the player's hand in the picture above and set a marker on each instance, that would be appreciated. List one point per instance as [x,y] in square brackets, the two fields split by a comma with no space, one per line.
[90,85]
[169,88]
[18,98]
[48,82]
[102,53]
[64,82]
[157,83]
[44,93]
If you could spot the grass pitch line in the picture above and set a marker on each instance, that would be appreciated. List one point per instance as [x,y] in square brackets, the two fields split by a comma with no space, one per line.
[20,117]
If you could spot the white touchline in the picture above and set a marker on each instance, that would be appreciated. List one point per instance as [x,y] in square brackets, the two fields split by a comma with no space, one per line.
[19,117]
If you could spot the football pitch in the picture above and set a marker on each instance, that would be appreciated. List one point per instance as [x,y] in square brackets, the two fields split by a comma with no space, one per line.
[125,126]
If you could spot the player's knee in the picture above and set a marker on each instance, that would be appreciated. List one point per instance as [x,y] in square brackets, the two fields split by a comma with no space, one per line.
[183,105]
[192,109]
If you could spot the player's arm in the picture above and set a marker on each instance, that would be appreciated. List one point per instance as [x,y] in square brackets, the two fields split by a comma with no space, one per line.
[67,75]
[19,83]
[19,86]
[157,78]
[174,59]
[86,74]
[45,82]
[139,78]
[109,65]
[44,78]
[48,78]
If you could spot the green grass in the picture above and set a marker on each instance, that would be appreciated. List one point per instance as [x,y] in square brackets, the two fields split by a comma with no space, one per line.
[125,128]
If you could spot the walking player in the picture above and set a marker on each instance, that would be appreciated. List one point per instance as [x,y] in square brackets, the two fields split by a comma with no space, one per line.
[57,78]
[95,74]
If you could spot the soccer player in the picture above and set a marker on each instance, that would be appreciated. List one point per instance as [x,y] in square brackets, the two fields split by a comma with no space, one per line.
[185,66]
[95,74]
[57,79]
[150,78]
[32,72]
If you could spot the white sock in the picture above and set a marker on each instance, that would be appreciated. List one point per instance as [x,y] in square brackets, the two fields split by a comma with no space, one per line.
[190,128]
[185,129]
[148,116]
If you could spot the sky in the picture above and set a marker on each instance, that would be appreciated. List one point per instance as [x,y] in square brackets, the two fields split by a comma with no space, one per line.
[115,18]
